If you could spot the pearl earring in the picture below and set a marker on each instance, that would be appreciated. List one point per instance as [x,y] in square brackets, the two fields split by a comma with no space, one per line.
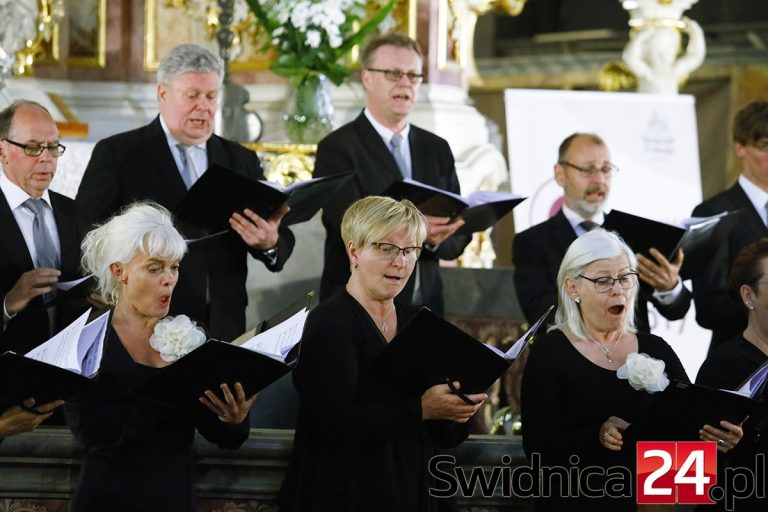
[577,300]
[750,306]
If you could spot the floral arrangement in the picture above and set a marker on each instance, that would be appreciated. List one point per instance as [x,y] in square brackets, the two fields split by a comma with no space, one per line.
[311,36]
[644,373]
[174,337]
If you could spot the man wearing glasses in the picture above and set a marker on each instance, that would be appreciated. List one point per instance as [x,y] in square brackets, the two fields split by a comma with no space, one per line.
[716,307]
[381,146]
[584,170]
[40,245]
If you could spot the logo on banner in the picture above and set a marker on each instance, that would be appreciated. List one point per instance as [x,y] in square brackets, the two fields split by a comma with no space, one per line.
[676,472]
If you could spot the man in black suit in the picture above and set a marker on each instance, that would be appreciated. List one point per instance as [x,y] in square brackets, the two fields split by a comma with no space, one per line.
[382,147]
[160,161]
[40,242]
[584,170]
[717,307]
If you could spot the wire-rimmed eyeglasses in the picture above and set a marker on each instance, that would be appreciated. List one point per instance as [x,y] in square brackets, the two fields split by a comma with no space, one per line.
[389,251]
[590,172]
[394,75]
[37,149]
[605,283]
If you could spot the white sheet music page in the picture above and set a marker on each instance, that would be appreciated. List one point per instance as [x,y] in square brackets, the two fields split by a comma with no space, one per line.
[91,345]
[280,339]
[61,350]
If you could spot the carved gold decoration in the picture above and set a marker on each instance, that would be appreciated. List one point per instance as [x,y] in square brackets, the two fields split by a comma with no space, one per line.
[615,76]
[506,421]
[285,163]
[49,14]
[197,21]
[457,21]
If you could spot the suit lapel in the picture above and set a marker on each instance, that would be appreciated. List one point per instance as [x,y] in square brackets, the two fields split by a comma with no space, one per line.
[418,166]
[69,238]
[217,154]
[749,216]
[12,239]
[161,159]
[564,233]
[374,145]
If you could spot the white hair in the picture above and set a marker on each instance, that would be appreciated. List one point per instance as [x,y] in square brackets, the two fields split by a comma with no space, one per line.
[139,227]
[597,244]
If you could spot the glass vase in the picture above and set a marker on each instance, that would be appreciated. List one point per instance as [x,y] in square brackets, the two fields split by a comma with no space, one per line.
[309,113]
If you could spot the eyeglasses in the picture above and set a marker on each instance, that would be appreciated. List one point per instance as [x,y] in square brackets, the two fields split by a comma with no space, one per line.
[761,145]
[590,172]
[605,284]
[390,251]
[37,149]
[394,75]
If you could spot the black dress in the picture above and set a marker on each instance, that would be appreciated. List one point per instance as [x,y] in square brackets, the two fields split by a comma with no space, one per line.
[726,367]
[565,400]
[360,444]
[137,452]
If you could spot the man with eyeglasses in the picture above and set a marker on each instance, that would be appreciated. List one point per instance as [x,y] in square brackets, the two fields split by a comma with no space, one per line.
[160,161]
[382,146]
[584,170]
[40,242]
[717,307]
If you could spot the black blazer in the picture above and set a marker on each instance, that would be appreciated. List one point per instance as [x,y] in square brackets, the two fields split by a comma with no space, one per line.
[716,307]
[357,147]
[139,165]
[31,326]
[537,253]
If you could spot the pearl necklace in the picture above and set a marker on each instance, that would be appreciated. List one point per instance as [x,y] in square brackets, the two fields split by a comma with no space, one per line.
[604,350]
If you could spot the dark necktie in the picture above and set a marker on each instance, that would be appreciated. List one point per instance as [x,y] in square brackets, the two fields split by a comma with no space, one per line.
[47,255]
[395,147]
[588,225]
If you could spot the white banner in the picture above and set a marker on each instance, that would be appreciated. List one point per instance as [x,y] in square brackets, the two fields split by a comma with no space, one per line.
[653,141]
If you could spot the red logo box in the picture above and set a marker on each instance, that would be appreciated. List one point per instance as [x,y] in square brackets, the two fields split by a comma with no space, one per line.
[676,472]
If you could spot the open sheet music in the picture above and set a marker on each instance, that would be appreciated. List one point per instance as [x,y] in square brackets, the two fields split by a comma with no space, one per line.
[63,365]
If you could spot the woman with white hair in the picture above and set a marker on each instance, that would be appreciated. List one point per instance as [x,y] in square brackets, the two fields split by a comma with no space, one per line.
[576,399]
[138,452]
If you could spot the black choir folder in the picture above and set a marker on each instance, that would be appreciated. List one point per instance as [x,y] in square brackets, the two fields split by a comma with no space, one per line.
[256,359]
[56,369]
[220,191]
[695,236]
[679,412]
[480,210]
[429,350]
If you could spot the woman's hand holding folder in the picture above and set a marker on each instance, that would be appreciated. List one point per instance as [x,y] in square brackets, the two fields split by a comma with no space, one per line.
[440,403]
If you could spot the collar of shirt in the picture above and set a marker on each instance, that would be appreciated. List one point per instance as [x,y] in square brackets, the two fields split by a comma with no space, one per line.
[15,195]
[574,219]
[200,158]
[385,133]
[757,196]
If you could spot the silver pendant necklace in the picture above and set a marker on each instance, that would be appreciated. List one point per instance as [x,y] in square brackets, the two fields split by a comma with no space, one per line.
[605,350]
[384,327]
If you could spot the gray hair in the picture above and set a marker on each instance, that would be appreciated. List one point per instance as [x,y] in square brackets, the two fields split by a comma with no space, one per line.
[597,244]
[189,58]
[6,115]
[143,226]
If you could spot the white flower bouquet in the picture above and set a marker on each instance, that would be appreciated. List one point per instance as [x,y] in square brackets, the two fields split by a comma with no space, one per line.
[644,373]
[174,337]
[309,37]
